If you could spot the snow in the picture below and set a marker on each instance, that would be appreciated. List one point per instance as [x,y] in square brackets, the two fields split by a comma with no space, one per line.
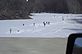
[60,26]
[27,0]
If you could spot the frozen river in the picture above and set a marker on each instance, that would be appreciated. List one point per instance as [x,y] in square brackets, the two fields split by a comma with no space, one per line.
[42,25]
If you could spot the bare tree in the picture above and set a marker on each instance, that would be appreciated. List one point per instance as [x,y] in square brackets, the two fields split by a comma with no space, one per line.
[74,6]
[15,9]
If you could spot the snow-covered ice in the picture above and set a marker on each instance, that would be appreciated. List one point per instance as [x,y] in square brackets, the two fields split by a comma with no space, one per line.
[60,25]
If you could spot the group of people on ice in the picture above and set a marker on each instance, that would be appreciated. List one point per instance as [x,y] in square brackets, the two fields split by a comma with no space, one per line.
[44,23]
[17,30]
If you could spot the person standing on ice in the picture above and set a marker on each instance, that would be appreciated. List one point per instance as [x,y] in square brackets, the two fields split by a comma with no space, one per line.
[23,24]
[44,24]
[10,30]
[48,23]
[62,18]
[17,30]
[33,24]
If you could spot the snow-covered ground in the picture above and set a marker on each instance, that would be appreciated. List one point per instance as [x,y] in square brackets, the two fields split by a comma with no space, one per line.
[60,25]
